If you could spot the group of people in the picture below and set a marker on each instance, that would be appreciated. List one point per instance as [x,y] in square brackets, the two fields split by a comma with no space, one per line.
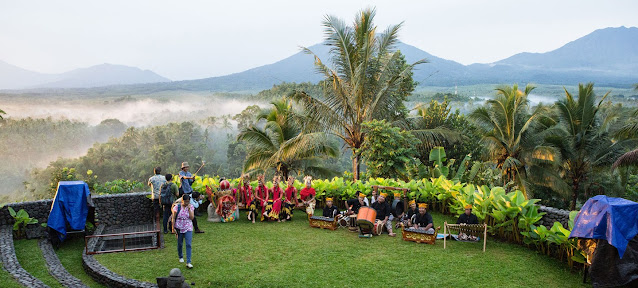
[178,206]
[387,213]
[275,204]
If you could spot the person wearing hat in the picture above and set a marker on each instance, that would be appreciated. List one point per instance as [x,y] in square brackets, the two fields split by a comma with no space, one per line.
[423,219]
[354,204]
[397,209]
[467,217]
[187,180]
[383,213]
[412,210]
[330,210]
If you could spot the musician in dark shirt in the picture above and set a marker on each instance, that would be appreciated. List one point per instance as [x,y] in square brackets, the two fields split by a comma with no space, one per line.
[467,217]
[423,219]
[411,211]
[383,212]
[330,210]
[353,205]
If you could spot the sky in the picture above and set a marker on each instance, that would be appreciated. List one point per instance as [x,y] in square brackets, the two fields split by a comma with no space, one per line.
[197,39]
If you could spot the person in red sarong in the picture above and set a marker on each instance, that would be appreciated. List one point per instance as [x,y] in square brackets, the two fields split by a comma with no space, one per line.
[245,196]
[290,200]
[277,195]
[308,196]
[262,195]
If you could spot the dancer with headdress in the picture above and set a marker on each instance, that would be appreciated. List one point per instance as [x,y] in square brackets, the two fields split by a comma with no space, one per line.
[262,196]
[308,196]
[245,197]
[290,200]
[277,195]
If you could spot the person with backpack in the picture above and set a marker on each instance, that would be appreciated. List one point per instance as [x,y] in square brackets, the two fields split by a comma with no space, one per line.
[168,195]
[156,182]
[183,214]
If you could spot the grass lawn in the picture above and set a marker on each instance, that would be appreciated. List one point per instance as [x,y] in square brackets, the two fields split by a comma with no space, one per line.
[70,254]
[31,259]
[6,279]
[292,254]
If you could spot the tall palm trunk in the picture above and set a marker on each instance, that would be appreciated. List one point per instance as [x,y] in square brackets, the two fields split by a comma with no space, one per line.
[355,165]
[575,186]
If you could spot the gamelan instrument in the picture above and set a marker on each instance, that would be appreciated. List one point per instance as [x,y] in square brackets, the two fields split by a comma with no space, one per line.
[323,222]
[419,235]
[366,221]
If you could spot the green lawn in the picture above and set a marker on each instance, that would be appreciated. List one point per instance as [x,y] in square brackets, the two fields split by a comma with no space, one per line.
[293,254]
[70,254]
[6,279]
[31,259]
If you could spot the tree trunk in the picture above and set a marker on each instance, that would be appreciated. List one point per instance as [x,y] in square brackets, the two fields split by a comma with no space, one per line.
[572,207]
[355,166]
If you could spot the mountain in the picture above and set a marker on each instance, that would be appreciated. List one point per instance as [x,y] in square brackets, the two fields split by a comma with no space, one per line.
[607,57]
[606,50]
[13,77]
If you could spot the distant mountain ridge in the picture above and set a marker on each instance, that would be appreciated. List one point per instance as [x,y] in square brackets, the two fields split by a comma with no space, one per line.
[608,57]
[13,77]
[604,56]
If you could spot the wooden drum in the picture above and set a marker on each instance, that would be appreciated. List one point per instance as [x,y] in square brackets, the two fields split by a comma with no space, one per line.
[366,218]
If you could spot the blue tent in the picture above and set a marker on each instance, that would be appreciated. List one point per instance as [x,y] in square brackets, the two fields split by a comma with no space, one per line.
[69,208]
[608,218]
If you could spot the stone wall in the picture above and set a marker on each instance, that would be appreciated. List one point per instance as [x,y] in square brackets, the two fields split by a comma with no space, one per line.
[553,215]
[112,210]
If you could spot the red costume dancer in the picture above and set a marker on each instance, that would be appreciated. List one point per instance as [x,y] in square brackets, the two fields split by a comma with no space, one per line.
[290,200]
[277,195]
[262,195]
[308,196]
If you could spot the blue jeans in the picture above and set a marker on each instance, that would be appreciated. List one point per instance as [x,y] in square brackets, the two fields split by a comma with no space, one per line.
[189,239]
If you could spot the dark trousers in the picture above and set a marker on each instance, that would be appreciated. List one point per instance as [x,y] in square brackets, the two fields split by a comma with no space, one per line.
[195,227]
[166,215]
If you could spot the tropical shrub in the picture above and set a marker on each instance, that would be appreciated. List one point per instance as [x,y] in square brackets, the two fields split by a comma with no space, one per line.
[21,220]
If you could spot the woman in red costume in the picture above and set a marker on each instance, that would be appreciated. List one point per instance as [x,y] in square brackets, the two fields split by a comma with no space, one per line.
[246,197]
[308,196]
[262,196]
[277,195]
[290,200]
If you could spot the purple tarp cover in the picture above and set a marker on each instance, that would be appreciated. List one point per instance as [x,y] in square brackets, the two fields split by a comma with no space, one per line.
[609,218]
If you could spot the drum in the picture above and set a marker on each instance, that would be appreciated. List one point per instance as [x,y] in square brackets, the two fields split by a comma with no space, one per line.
[378,228]
[366,218]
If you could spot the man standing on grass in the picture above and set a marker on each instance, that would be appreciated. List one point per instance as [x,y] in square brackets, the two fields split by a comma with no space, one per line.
[383,213]
[156,181]
[187,180]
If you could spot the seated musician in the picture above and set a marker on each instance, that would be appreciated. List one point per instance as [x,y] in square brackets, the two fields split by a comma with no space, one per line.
[397,209]
[383,213]
[423,220]
[467,217]
[354,204]
[330,210]
[464,219]
[411,211]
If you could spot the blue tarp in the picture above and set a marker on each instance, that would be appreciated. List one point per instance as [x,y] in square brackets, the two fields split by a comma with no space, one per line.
[612,219]
[69,208]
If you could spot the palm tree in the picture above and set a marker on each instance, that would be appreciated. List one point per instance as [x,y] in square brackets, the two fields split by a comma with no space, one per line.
[282,145]
[629,130]
[582,140]
[368,80]
[509,131]
[2,112]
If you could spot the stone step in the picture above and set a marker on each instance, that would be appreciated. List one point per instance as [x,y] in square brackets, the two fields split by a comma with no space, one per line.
[55,266]
[10,260]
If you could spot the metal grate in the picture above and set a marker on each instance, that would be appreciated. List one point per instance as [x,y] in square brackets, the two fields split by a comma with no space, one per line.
[122,239]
